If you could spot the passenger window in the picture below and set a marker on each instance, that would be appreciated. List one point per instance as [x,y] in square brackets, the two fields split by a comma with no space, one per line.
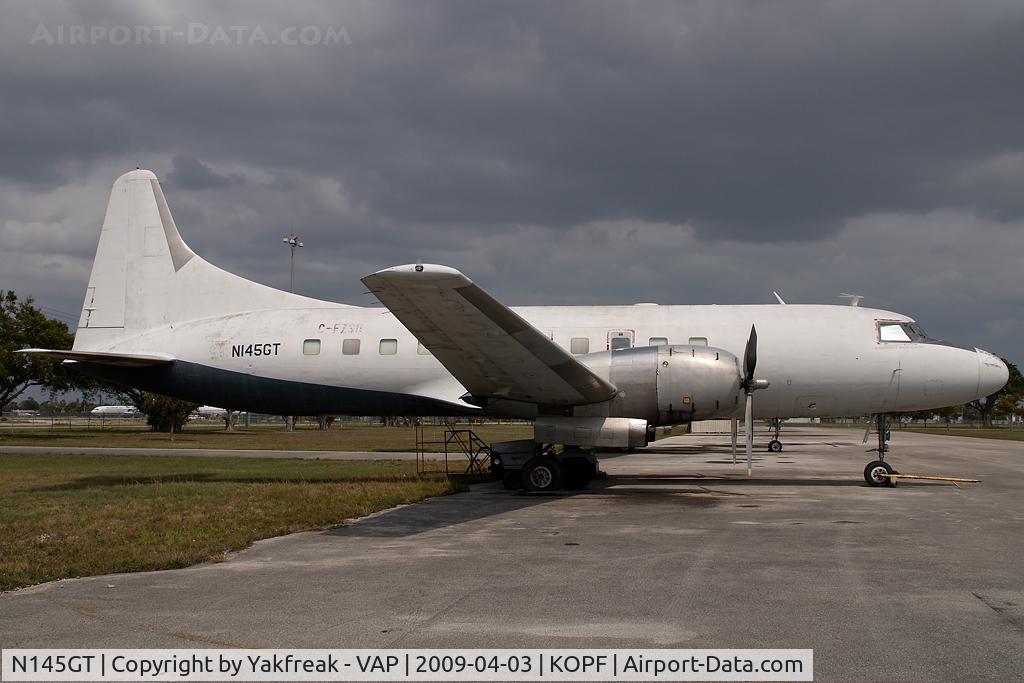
[350,347]
[421,349]
[620,343]
[311,347]
[579,345]
[698,341]
[657,341]
[388,347]
[892,332]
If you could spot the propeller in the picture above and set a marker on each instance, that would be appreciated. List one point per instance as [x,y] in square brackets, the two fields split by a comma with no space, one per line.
[750,385]
[750,359]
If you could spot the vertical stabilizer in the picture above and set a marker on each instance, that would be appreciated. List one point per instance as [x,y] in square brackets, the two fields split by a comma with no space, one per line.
[145,276]
[104,305]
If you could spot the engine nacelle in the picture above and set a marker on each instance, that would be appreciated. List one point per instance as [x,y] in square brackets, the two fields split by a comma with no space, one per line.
[602,432]
[667,384]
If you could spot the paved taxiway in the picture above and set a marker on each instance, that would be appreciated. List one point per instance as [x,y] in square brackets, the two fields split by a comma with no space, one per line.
[678,548]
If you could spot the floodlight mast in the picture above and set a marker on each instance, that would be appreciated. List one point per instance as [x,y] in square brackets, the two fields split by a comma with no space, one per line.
[292,240]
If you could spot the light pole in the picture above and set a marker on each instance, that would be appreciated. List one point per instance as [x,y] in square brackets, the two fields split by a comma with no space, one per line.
[292,241]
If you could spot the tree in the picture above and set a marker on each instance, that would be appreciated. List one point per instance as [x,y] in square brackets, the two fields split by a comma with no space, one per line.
[128,395]
[165,414]
[22,325]
[1008,401]
[1012,392]
[948,413]
[29,404]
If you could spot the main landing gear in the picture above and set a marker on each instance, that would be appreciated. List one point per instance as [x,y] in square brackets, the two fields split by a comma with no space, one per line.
[573,469]
[775,446]
[542,469]
[877,472]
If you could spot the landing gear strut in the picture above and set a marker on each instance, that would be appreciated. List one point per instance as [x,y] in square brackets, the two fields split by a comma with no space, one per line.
[876,473]
[775,446]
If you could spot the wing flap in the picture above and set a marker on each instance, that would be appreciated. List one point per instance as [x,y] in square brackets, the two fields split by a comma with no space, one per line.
[131,360]
[489,348]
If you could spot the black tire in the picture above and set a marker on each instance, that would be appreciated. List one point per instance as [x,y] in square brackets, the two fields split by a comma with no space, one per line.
[542,474]
[577,473]
[775,446]
[512,479]
[874,474]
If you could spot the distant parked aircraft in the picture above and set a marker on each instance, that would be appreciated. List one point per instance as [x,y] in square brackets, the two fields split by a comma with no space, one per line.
[210,412]
[114,411]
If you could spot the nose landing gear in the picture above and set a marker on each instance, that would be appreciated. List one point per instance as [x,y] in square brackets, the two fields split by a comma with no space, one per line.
[775,446]
[877,471]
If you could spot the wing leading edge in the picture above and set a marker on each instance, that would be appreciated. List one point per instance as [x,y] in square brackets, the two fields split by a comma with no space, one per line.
[490,349]
[130,360]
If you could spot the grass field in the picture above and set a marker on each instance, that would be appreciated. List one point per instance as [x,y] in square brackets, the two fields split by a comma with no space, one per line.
[64,516]
[977,432]
[348,437]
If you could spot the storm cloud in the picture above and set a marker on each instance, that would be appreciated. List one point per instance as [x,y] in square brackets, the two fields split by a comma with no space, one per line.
[555,152]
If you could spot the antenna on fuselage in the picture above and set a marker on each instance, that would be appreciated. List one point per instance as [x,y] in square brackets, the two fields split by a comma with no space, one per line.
[779,298]
[854,298]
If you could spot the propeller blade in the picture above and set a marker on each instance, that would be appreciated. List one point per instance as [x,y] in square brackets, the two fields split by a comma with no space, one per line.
[750,356]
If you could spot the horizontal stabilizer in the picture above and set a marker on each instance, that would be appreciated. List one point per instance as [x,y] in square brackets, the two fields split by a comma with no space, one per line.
[489,348]
[126,360]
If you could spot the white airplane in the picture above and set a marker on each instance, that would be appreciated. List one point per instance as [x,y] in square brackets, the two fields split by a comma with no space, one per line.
[210,412]
[158,317]
[114,411]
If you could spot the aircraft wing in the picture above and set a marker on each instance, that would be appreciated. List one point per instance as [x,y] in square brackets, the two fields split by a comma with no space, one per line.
[490,349]
[131,360]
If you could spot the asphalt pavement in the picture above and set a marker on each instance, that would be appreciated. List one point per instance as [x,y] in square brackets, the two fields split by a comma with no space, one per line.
[677,548]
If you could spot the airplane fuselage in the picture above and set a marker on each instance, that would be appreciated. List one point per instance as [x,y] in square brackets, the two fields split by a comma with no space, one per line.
[819,360]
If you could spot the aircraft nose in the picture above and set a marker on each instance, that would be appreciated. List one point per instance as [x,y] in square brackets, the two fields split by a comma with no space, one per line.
[992,373]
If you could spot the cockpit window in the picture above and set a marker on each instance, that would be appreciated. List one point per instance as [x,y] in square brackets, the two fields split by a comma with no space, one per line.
[892,332]
[901,332]
[917,332]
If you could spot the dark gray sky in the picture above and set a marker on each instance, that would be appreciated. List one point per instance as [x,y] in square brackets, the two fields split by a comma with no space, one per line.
[599,152]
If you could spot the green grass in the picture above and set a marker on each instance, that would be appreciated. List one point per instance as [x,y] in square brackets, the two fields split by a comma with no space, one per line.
[977,432]
[80,515]
[348,437]
[678,430]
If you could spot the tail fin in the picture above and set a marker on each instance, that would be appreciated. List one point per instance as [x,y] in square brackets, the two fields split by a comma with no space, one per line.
[145,276]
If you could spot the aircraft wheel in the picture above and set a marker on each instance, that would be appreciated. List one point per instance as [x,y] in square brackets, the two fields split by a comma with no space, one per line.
[512,479]
[874,474]
[775,446]
[577,473]
[542,474]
